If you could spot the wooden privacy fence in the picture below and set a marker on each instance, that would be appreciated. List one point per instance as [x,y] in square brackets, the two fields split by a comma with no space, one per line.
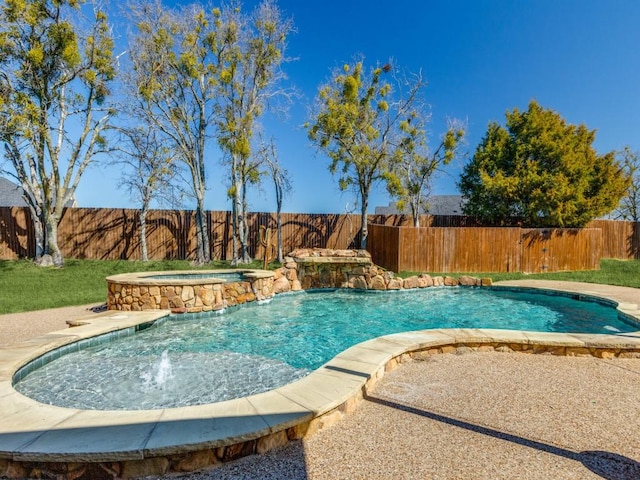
[114,234]
[485,249]
[171,234]
[621,239]
[100,233]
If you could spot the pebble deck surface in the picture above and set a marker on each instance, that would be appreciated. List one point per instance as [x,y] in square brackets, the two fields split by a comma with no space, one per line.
[478,415]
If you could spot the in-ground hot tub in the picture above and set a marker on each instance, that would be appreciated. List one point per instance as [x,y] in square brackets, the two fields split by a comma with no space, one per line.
[188,290]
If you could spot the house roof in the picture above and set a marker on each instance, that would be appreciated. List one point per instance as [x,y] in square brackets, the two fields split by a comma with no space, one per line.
[438,205]
[10,194]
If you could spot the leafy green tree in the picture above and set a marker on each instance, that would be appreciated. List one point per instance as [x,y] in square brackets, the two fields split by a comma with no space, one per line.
[629,208]
[540,171]
[362,124]
[252,54]
[175,58]
[418,164]
[54,85]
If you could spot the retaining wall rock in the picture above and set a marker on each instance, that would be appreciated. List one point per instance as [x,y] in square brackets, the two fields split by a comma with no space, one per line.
[312,268]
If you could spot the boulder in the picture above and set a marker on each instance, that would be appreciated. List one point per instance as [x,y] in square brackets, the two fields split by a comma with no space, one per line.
[411,282]
[378,283]
[467,281]
[292,275]
[281,285]
[360,283]
[425,281]
[486,282]
[450,281]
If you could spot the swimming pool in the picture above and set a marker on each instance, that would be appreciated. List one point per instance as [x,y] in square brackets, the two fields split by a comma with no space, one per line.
[198,359]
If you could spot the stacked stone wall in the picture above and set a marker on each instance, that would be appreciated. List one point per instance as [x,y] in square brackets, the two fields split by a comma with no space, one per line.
[191,298]
[306,269]
[303,269]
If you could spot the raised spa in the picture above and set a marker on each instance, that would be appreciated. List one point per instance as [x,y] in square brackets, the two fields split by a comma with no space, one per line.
[188,291]
[205,358]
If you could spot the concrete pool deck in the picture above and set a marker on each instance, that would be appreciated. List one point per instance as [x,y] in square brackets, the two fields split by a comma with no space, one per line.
[146,442]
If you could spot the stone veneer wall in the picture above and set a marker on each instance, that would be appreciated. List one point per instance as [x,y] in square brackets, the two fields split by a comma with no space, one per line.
[196,296]
[306,269]
[303,269]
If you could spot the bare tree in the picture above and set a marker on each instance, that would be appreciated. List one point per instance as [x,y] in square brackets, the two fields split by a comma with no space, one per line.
[281,184]
[629,208]
[360,123]
[175,58]
[417,164]
[54,85]
[252,54]
[150,173]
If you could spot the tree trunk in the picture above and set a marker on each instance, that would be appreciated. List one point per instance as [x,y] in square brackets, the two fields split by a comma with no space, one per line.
[38,230]
[279,232]
[235,208]
[364,230]
[199,237]
[415,213]
[234,231]
[51,246]
[203,254]
[143,234]
[244,229]
[243,236]
[39,234]
[279,195]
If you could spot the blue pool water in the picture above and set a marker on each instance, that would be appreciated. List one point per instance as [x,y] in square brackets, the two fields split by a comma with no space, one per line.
[226,276]
[189,360]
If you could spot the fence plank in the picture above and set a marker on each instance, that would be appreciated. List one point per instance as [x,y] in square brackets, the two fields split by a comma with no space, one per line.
[16,233]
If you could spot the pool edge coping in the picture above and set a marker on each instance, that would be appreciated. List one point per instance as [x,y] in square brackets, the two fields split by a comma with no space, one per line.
[147,278]
[35,432]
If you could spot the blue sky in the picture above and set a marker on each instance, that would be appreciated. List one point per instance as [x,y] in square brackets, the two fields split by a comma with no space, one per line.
[481,58]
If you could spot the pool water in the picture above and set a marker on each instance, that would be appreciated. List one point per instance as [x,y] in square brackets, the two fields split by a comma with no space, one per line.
[226,276]
[191,360]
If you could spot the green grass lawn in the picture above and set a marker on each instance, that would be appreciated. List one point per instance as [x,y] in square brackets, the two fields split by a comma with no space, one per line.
[612,272]
[25,287]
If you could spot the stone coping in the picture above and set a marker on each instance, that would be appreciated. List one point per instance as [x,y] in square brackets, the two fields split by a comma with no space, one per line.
[335,260]
[143,278]
[34,432]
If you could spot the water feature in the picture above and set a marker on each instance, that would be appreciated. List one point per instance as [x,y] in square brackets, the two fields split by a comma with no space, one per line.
[197,359]
[160,373]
